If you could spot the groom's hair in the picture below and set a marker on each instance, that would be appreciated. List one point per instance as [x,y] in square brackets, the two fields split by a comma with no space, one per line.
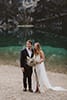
[29,41]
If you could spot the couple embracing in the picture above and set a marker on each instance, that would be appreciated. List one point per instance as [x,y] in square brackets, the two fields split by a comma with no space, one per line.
[38,70]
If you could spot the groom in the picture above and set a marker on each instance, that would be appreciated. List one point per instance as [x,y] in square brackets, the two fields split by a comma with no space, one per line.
[27,70]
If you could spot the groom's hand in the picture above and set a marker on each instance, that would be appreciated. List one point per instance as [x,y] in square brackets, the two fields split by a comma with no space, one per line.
[22,69]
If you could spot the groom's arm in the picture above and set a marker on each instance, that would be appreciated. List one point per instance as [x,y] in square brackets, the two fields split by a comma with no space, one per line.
[22,61]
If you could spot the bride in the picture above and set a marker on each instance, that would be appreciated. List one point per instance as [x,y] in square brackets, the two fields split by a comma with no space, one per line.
[39,72]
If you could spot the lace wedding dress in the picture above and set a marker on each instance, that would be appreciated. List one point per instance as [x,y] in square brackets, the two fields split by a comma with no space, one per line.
[43,80]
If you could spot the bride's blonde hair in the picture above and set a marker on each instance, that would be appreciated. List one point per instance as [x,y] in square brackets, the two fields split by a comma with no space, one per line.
[37,51]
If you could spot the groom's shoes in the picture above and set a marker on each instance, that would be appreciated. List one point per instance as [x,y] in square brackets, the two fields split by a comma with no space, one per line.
[30,90]
[25,90]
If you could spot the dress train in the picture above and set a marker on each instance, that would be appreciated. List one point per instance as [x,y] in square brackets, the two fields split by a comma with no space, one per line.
[43,79]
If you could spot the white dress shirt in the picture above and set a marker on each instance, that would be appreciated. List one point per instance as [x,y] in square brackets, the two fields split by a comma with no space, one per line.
[29,52]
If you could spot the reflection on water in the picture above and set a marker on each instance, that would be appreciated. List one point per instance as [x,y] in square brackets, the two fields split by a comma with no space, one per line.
[54,45]
[18,37]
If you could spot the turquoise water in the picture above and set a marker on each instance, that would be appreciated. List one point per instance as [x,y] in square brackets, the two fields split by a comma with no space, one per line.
[53,55]
[54,45]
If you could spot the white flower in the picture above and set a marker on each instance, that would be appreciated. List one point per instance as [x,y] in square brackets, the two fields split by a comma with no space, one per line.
[31,61]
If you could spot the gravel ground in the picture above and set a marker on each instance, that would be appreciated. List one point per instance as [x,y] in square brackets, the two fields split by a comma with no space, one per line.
[11,85]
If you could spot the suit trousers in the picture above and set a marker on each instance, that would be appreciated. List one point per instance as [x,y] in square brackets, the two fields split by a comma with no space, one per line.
[25,77]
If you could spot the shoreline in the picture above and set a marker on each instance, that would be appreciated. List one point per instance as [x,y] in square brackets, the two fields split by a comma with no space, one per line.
[25,26]
[51,68]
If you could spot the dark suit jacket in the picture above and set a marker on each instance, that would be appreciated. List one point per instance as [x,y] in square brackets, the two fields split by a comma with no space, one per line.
[23,61]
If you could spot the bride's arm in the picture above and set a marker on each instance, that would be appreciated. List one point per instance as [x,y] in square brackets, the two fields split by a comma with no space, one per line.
[42,56]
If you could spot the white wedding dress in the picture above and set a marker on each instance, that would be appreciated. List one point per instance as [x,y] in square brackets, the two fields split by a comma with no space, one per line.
[42,78]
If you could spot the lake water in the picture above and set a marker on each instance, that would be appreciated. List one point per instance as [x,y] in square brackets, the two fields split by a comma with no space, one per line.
[12,41]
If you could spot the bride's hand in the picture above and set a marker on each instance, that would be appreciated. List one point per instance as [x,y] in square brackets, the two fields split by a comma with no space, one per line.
[38,62]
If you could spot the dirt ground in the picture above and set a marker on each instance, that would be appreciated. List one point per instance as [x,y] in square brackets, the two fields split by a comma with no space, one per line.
[11,85]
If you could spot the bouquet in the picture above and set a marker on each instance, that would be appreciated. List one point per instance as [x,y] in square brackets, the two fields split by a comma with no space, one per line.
[31,61]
